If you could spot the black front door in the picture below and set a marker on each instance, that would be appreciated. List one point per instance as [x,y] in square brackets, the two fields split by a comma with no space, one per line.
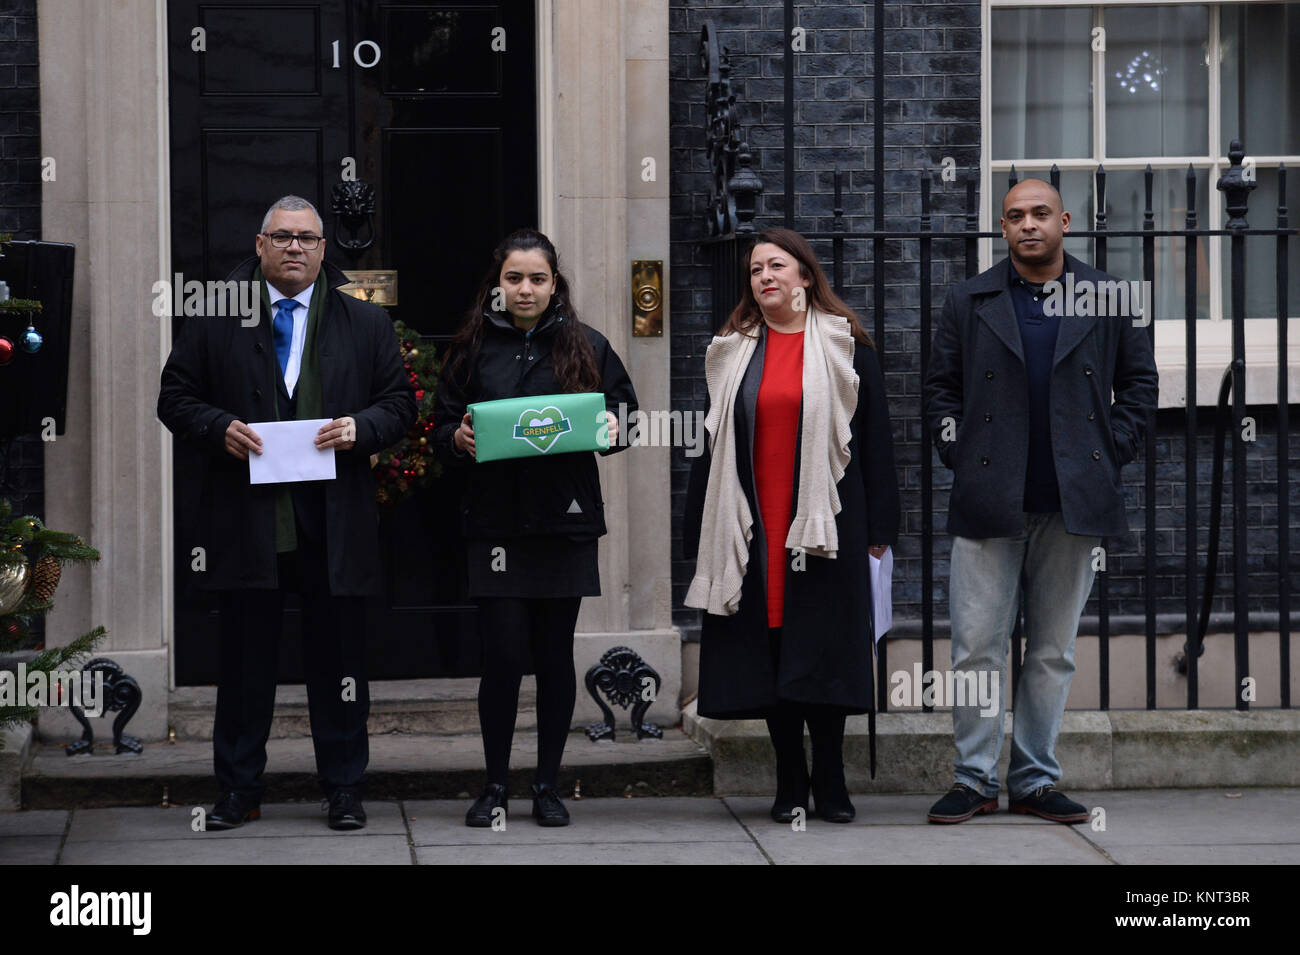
[432,105]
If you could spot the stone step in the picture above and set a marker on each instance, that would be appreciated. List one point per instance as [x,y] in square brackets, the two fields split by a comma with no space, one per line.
[1097,749]
[417,707]
[402,766]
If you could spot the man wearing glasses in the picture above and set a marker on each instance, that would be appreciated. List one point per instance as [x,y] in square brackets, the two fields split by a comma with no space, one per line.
[323,354]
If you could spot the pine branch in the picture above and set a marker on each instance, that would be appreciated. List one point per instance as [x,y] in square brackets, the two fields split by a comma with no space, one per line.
[55,657]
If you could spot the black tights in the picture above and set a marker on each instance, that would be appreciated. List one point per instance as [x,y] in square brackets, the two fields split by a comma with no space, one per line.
[825,726]
[785,724]
[509,629]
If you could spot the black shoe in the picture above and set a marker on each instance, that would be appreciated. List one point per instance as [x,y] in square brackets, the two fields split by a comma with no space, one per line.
[547,808]
[830,792]
[1045,801]
[783,808]
[232,811]
[960,803]
[346,811]
[792,785]
[831,801]
[480,814]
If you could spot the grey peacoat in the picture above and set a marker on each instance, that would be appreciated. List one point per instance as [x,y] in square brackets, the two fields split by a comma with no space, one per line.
[977,381]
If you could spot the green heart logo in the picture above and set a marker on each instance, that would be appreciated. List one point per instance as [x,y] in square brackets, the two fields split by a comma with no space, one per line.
[542,428]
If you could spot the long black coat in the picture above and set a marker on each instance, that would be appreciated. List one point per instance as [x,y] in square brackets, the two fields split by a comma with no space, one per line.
[826,637]
[977,378]
[220,371]
[530,496]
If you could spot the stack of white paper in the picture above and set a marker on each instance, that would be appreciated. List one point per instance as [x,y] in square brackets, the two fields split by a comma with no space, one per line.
[882,600]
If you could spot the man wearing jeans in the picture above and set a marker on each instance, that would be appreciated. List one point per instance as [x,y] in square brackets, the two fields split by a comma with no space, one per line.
[1035,403]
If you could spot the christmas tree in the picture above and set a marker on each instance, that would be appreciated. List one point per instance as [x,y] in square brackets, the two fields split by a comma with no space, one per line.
[31,561]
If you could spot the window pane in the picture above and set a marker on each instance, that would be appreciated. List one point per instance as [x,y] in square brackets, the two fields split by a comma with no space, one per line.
[1125,206]
[1260,77]
[1076,195]
[1157,83]
[1261,251]
[1042,93]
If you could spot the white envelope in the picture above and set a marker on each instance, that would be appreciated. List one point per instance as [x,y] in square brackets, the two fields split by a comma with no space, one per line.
[289,453]
[882,592]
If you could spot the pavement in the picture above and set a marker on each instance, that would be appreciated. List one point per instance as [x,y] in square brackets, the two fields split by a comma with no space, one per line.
[1133,827]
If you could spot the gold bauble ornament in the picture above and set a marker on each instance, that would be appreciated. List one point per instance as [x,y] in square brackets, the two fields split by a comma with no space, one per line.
[13,582]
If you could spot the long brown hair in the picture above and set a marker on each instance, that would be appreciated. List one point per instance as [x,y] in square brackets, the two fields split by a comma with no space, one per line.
[747,316]
[573,360]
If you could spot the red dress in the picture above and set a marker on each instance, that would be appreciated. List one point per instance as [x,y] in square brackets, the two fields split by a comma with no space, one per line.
[776,428]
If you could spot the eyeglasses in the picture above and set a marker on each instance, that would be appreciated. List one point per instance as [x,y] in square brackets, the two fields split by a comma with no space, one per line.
[282,240]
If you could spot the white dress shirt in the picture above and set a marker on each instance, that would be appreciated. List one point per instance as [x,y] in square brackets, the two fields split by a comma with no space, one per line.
[303,298]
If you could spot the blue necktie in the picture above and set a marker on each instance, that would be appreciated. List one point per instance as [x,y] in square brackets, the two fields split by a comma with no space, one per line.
[284,331]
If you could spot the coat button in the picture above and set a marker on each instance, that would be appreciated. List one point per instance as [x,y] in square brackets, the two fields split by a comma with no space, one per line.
[1096,455]
[989,374]
[1087,370]
[517,357]
[1092,415]
[988,416]
[203,429]
[257,347]
[257,392]
[984,460]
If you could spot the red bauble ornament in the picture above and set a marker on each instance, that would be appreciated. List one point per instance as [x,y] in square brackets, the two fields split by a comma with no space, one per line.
[6,351]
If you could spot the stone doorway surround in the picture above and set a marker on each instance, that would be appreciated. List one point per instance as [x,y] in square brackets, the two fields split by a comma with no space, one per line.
[602,107]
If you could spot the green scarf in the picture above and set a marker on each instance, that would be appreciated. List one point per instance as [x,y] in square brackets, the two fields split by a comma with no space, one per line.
[307,392]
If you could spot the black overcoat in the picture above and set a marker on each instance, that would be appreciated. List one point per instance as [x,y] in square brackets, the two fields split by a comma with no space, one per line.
[826,639]
[977,382]
[219,371]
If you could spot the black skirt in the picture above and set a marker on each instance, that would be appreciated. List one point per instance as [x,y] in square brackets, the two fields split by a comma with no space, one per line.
[546,566]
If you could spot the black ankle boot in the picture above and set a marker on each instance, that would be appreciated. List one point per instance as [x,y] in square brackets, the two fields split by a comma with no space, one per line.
[792,782]
[829,790]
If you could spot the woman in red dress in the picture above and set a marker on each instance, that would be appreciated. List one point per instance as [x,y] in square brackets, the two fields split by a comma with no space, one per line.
[797,487]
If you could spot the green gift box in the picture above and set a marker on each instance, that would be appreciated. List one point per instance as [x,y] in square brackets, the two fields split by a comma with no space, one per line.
[540,424]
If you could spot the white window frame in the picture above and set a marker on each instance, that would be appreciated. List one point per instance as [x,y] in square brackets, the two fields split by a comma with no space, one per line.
[1213,335]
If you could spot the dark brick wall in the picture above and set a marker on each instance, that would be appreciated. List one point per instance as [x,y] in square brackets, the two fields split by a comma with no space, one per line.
[932,104]
[21,461]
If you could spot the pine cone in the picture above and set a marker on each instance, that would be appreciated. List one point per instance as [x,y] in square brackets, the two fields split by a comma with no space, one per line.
[45,578]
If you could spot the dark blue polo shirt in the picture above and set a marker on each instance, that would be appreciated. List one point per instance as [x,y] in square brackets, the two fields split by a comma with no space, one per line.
[1038,339]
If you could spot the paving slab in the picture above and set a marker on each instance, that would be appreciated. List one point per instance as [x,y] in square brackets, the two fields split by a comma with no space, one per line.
[605,853]
[858,844]
[29,850]
[279,820]
[595,822]
[1213,826]
[330,848]
[37,822]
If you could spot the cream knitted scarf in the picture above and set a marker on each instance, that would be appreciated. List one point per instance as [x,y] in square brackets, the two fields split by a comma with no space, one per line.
[830,397]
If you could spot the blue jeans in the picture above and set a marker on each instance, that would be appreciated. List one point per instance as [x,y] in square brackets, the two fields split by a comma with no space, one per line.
[983,594]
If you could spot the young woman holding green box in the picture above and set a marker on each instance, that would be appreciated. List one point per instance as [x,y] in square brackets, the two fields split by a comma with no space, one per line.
[531,523]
